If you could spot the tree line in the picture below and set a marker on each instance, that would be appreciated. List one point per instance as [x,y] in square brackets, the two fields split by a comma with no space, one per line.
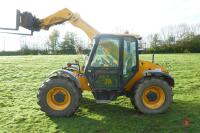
[55,44]
[175,39]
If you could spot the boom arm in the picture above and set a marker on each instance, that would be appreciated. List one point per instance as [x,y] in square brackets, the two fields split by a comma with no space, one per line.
[30,22]
[66,15]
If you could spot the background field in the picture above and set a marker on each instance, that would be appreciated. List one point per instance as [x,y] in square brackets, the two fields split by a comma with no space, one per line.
[20,77]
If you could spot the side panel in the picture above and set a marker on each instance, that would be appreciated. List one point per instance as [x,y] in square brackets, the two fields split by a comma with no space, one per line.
[102,79]
[83,83]
[143,66]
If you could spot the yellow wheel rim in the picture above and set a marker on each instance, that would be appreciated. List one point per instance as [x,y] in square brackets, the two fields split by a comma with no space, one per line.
[58,98]
[153,97]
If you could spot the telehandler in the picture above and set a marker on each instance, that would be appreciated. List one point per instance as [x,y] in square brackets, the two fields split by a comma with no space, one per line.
[112,70]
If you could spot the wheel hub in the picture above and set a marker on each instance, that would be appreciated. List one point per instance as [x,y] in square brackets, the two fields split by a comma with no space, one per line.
[59,97]
[152,96]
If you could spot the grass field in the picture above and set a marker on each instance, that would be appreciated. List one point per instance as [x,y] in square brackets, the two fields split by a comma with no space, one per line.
[20,77]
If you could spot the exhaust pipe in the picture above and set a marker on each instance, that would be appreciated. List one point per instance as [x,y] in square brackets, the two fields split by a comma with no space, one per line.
[153,56]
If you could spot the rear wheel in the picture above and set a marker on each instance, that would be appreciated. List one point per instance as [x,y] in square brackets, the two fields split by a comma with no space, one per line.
[152,96]
[59,97]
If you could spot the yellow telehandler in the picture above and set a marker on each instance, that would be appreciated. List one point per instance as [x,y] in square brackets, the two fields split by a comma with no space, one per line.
[112,70]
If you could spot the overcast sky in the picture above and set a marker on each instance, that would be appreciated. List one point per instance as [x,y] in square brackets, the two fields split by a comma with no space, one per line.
[139,16]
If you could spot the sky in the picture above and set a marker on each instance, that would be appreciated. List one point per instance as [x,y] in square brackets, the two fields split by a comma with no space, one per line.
[107,16]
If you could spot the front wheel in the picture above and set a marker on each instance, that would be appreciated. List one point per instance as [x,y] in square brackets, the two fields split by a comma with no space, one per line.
[153,96]
[59,97]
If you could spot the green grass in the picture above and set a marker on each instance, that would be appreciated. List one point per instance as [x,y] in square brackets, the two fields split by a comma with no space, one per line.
[20,77]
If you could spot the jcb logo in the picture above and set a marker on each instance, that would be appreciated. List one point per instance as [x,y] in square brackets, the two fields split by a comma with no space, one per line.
[108,82]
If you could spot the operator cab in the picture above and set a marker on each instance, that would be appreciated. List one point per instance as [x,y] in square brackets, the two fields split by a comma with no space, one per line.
[113,61]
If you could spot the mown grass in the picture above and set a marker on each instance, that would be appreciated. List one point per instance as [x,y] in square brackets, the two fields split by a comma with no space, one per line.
[20,77]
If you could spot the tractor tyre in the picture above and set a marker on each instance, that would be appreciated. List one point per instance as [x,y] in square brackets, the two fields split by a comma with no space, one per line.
[59,97]
[153,96]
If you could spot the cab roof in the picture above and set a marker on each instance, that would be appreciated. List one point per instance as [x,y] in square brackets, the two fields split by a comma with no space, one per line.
[120,35]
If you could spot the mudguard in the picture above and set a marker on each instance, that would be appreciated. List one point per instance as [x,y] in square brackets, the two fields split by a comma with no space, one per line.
[160,74]
[65,74]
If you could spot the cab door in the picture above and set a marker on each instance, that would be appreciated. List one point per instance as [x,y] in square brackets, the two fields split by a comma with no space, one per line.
[103,70]
[130,58]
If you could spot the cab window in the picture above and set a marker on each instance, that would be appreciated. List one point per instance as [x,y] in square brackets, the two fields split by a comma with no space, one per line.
[129,57]
[107,53]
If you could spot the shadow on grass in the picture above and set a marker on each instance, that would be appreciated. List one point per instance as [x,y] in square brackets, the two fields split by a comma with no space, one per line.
[113,118]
